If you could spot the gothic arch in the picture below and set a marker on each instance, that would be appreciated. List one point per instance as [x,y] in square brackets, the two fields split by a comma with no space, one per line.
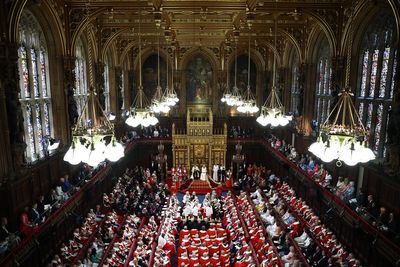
[318,41]
[151,50]
[316,38]
[46,17]
[198,50]
[294,42]
[395,5]
[363,19]
[255,56]
[110,42]
[86,24]
[326,29]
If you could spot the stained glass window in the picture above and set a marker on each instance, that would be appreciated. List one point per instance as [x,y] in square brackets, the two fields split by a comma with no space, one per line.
[123,89]
[34,73]
[43,71]
[393,75]
[295,91]
[24,73]
[323,84]
[365,64]
[377,71]
[81,91]
[34,84]
[107,87]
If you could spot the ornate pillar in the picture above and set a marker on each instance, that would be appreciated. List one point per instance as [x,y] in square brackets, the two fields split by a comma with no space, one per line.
[337,80]
[130,95]
[307,97]
[69,85]
[392,157]
[15,130]
[99,83]
[5,157]
[118,96]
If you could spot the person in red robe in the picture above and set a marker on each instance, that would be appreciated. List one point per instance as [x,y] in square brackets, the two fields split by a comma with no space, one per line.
[194,260]
[204,259]
[215,261]
[26,227]
[183,260]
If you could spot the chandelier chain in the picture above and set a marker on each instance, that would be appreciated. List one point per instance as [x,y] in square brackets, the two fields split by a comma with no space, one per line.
[349,48]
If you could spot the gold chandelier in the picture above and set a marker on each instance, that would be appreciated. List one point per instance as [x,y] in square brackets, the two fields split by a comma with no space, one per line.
[93,140]
[273,112]
[140,112]
[342,136]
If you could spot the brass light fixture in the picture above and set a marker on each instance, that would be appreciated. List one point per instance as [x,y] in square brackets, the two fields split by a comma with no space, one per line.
[273,112]
[343,136]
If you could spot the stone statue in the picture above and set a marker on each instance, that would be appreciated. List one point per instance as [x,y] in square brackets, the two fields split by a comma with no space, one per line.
[393,142]
[15,117]
[72,107]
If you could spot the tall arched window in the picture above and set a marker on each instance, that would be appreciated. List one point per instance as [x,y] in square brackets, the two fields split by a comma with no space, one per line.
[81,90]
[34,95]
[323,95]
[107,87]
[377,71]
[122,83]
[295,85]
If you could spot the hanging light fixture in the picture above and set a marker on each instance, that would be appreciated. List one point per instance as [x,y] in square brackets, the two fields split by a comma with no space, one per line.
[158,104]
[170,97]
[273,112]
[140,112]
[227,92]
[89,141]
[342,136]
[234,98]
[248,105]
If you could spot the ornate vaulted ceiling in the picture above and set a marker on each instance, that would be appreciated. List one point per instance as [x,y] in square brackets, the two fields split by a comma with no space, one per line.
[208,23]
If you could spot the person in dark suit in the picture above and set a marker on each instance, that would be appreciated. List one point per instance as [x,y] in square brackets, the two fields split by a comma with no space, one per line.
[40,205]
[34,215]
[371,207]
[204,224]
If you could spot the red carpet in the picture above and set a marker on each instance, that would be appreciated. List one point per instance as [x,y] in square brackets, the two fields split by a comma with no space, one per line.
[198,186]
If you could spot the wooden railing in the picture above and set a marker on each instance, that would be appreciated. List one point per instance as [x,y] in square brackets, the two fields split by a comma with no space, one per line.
[375,241]
[31,249]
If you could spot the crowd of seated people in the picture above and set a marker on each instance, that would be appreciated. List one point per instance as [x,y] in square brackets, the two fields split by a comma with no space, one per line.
[318,243]
[82,237]
[266,250]
[237,237]
[8,239]
[116,232]
[202,238]
[239,132]
[124,240]
[250,175]
[209,209]
[34,215]
[284,228]
[39,211]
[165,248]
[144,246]
[344,188]
[146,132]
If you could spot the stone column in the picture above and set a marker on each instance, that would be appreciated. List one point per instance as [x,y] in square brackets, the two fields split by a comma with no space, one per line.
[99,83]
[119,98]
[69,86]
[10,78]
[5,157]
[112,86]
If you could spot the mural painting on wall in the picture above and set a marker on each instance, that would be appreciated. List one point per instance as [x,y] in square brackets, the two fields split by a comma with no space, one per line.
[242,69]
[199,80]
[149,75]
